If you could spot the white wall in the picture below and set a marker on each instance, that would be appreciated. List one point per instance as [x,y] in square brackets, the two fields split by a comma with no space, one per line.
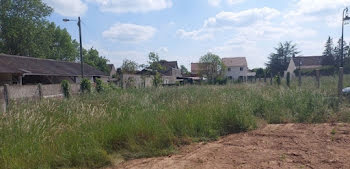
[235,72]
[291,68]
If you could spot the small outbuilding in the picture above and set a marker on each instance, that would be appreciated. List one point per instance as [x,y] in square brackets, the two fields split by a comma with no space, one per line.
[23,70]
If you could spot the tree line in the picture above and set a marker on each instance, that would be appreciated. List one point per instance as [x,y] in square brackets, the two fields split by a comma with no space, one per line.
[26,31]
[278,60]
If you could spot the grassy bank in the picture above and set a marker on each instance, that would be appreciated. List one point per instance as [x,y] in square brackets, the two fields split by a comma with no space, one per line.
[85,131]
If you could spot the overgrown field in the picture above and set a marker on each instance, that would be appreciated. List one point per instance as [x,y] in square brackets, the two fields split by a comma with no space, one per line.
[86,131]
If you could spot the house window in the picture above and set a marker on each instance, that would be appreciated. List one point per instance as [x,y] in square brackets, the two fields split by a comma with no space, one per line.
[241,68]
[229,69]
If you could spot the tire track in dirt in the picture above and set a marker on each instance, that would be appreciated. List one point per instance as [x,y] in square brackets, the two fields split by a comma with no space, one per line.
[274,146]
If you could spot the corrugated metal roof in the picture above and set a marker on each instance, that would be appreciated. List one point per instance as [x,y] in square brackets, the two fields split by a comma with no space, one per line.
[36,66]
[235,62]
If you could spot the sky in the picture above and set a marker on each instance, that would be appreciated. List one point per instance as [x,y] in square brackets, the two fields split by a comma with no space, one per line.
[185,30]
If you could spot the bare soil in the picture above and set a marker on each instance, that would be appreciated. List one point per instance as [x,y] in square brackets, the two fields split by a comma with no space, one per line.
[273,146]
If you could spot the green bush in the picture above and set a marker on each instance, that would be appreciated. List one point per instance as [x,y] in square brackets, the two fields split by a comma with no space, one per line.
[85,86]
[100,87]
[278,79]
[65,85]
[157,80]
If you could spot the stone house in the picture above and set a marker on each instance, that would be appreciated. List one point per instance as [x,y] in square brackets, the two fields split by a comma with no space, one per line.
[23,70]
[237,69]
[170,72]
[303,62]
[137,80]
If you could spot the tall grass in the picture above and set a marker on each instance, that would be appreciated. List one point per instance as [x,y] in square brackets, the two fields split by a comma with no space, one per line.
[84,131]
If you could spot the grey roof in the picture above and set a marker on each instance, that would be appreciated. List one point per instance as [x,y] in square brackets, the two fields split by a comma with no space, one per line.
[308,60]
[36,66]
[168,66]
[235,62]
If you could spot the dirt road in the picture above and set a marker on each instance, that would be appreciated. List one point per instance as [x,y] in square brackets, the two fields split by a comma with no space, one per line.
[274,146]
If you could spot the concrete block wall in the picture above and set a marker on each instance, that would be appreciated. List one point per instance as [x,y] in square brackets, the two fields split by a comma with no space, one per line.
[53,90]
[20,92]
[32,91]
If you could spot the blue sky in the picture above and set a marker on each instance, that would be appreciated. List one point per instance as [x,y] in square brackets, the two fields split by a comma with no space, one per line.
[184,30]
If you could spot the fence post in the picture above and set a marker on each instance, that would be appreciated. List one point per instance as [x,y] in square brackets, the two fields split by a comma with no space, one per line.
[271,79]
[299,78]
[6,97]
[340,84]
[318,78]
[40,89]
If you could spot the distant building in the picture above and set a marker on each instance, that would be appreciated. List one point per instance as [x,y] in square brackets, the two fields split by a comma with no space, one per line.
[237,68]
[170,72]
[28,70]
[112,70]
[303,62]
[198,68]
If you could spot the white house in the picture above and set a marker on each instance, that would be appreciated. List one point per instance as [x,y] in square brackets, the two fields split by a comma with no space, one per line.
[237,68]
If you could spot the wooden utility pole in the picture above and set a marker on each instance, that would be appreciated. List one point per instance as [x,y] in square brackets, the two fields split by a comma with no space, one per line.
[340,84]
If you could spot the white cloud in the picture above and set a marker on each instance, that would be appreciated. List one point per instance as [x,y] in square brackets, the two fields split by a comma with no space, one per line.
[133,6]
[229,20]
[314,6]
[323,11]
[214,2]
[129,33]
[246,17]
[70,8]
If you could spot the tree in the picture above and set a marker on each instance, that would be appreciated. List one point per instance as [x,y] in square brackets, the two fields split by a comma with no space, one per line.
[92,58]
[129,66]
[154,62]
[184,70]
[25,31]
[328,53]
[278,61]
[22,24]
[337,52]
[259,72]
[214,67]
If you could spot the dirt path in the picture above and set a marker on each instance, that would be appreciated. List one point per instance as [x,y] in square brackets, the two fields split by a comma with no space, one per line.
[274,146]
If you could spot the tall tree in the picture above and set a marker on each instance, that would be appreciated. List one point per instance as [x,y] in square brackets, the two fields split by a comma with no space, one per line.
[22,23]
[129,66]
[328,53]
[214,66]
[184,70]
[154,62]
[279,60]
[337,51]
[92,58]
